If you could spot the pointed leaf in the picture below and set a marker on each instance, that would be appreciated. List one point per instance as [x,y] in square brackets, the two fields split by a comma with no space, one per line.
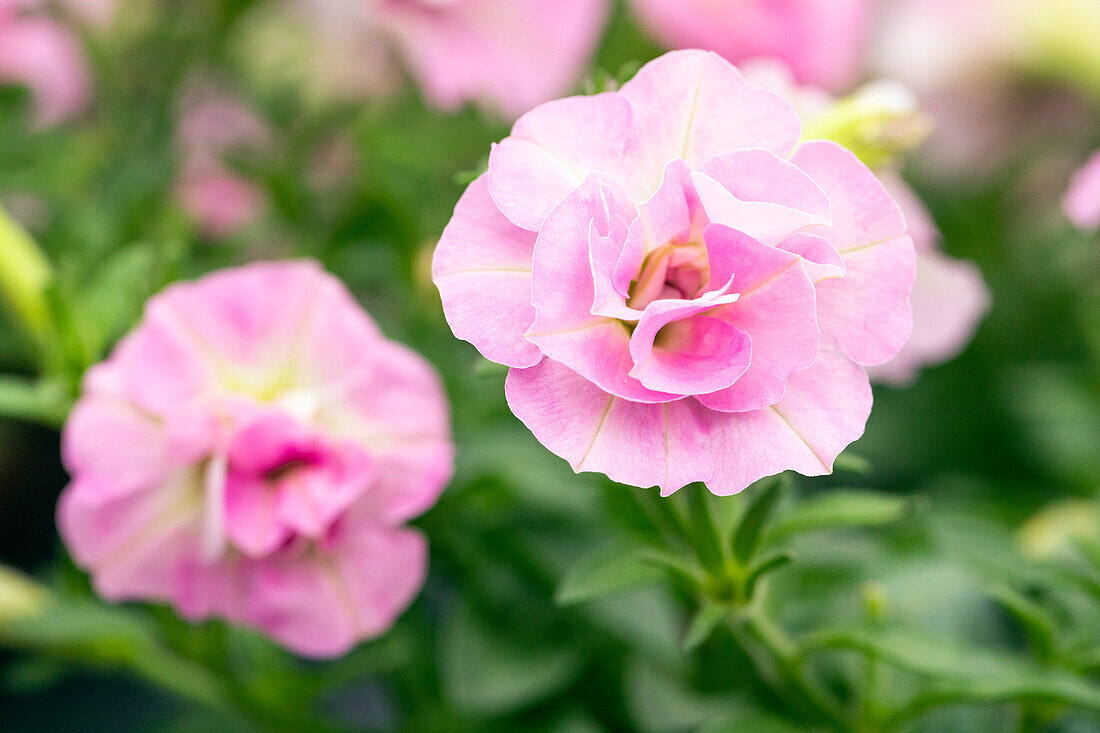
[709,618]
[762,567]
[607,571]
[749,532]
[837,510]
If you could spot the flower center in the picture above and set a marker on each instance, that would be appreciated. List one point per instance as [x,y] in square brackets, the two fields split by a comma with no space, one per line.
[676,270]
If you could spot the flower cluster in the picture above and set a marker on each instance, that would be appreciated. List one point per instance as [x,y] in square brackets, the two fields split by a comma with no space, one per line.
[683,291]
[252,450]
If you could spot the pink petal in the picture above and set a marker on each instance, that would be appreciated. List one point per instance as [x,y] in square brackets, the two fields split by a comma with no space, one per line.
[776,309]
[764,221]
[820,40]
[93,433]
[552,150]
[760,175]
[680,348]
[45,57]
[397,409]
[481,49]
[141,546]
[673,444]
[631,442]
[695,105]
[949,300]
[301,602]
[866,313]
[252,519]
[824,409]
[384,569]
[563,294]
[482,267]
[246,321]
[311,499]
[1082,201]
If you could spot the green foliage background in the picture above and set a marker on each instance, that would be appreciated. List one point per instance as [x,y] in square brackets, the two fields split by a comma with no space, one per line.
[898,587]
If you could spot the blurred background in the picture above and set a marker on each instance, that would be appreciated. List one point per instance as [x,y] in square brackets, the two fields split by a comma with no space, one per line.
[143,142]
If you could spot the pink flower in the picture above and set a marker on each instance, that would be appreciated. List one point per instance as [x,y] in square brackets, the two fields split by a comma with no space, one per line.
[43,55]
[949,296]
[252,450]
[682,291]
[821,40]
[1082,201]
[213,126]
[510,54]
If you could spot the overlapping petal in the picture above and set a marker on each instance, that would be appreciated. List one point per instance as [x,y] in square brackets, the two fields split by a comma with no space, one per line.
[482,267]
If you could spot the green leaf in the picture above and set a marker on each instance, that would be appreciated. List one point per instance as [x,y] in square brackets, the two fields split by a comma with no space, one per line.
[960,672]
[706,538]
[709,618]
[686,574]
[43,402]
[751,528]
[607,571]
[838,510]
[762,567]
[1035,619]
[493,673]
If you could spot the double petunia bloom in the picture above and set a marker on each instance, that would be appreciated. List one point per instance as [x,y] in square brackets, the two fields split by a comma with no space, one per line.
[683,291]
[252,450]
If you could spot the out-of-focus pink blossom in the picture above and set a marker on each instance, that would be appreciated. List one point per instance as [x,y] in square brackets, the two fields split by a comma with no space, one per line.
[215,125]
[508,54]
[949,296]
[252,450]
[44,56]
[822,41]
[1082,201]
[949,299]
[683,291]
[220,201]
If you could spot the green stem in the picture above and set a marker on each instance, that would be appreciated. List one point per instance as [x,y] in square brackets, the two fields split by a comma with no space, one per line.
[24,276]
[779,663]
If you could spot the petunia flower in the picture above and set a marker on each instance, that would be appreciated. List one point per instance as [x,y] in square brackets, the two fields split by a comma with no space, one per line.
[41,54]
[683,291]
[949,296]
[1082,200]
[822,41]
[252,450]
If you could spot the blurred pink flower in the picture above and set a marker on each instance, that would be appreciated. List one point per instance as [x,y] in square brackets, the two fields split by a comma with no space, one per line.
[221,202]
[1082,201]
[252,450]
[213,126]
[949,296]
[684,293]
[43,55]
[821,40]
[508,54]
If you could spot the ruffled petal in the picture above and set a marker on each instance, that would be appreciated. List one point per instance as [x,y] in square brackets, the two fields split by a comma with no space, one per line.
[695,105]
[777,310]
[563,293]
[482,267]
[866,313]
[552,150]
